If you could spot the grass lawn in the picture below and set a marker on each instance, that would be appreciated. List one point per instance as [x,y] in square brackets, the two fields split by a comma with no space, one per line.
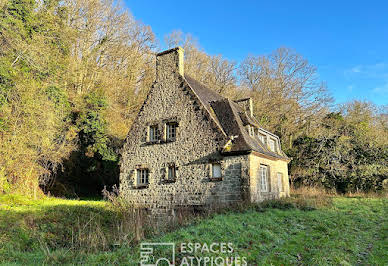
[56,231]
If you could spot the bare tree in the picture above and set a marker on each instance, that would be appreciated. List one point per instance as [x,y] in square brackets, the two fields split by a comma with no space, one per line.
[113,51]
[288,95]
[215,72]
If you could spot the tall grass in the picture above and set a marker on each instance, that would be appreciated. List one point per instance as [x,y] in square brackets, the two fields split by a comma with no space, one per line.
[79,226]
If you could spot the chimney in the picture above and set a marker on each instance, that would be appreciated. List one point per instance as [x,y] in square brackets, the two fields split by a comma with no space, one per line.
[246,104]
[168,62]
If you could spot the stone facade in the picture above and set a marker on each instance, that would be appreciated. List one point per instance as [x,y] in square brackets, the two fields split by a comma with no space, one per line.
[196,148]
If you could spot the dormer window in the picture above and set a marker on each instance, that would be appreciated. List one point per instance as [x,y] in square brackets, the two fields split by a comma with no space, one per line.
[171,131]
[272,144]
[262,137]
[251,131]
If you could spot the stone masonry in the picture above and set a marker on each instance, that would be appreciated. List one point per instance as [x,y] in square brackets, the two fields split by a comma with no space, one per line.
[199,144]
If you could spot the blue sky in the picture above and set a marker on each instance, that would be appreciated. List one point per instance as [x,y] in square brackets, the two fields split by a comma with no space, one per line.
[346,40]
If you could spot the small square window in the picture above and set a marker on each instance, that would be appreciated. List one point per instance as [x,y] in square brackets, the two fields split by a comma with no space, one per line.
[216,171]
[142,177]
[171,173]
[154,133]
[171,131]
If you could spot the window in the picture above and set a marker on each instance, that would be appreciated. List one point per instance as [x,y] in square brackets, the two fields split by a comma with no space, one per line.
[280,182]
[262,137]
[171,131]
[154,133]
[272,144]
[216,170]
[171,175]
[264,178]
[142,177]
[251,131]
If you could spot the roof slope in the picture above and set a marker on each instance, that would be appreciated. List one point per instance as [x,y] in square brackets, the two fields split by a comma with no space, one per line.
[231,118]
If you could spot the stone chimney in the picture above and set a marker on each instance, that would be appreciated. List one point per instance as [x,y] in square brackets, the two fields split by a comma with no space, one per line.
[246,104]
[168,62]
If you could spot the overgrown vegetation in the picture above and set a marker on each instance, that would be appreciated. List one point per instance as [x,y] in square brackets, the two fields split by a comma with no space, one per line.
[347,153]
[311,227]
[73,75]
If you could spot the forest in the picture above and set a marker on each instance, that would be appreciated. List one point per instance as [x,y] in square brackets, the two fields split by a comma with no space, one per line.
[74,73]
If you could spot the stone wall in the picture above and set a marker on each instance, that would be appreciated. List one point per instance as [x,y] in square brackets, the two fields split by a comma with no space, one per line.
[196,146]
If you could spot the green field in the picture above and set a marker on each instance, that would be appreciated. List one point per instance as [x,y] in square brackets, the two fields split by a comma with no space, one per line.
[348,231]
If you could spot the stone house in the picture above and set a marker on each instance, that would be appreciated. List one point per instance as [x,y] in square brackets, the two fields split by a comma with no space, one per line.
[190,146]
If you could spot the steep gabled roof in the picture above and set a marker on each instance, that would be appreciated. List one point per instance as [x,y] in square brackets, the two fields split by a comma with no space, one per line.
[232,119]
[205,95]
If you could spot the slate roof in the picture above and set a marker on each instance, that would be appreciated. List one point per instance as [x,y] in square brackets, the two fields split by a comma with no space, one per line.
[232,119]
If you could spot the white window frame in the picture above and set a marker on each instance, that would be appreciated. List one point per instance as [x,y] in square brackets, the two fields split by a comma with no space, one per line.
[251,131]
[270,141]
[264,178]
[153,133]
[142,176]
[171,131]
[262,137]
[214,174]
[280,182]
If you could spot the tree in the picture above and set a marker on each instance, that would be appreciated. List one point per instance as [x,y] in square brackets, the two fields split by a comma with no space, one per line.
[35,132]
[345,153]
[54,56]
[288,96]
[216,72]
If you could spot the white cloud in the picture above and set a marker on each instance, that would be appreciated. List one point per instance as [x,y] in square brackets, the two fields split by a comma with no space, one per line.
[377,71]
[369,80]
[382,89]
[356,69]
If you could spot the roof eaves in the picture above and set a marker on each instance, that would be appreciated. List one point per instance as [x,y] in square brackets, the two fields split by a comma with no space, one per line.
[269,156]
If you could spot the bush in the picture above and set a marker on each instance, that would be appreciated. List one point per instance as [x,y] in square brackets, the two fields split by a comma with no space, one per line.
[347,155]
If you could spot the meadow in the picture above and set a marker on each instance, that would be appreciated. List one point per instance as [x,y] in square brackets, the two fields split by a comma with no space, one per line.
[300,230]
